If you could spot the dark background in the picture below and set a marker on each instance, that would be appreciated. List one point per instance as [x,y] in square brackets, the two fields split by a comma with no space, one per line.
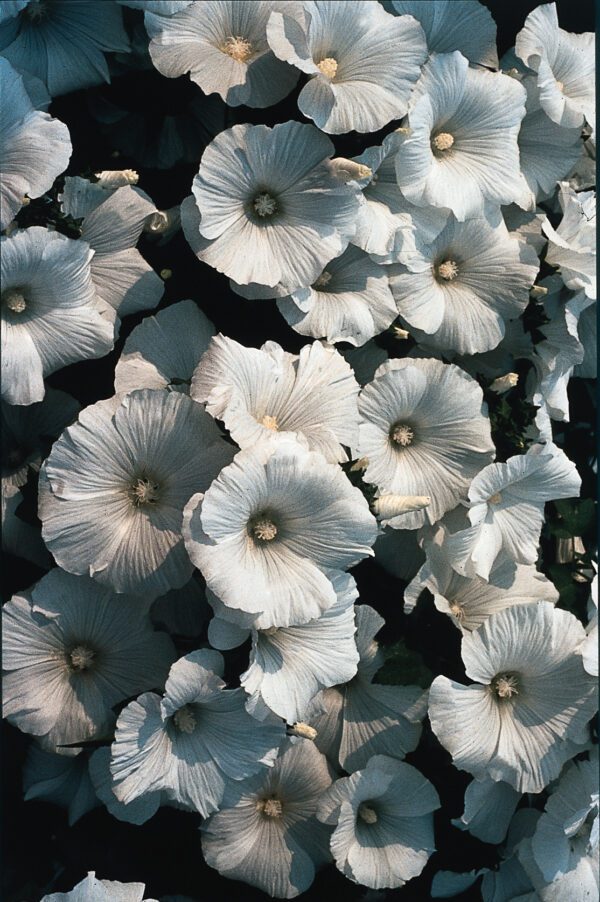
[41,853]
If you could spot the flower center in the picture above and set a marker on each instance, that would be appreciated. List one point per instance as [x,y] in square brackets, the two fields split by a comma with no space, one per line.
[328,67]
[495,499]
[36,10]
[185,719]
[442,142]
[264,204]
[263,529]
[270,807]
[457,610]
[367,814]
[448,270]
[270,422]
[81,658]
[143,491]
[401,435]
[238,48]
[14,299]
[323,280]
[505,685]
[560,85]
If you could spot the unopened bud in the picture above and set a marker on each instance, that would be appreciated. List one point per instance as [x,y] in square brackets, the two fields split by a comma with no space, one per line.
[400,334]
[388,506]
[538,291]
[404,131]
[347,170]
[304,730]
[166,274]
[117,178]
[504,383]
[163,223]
[360,464]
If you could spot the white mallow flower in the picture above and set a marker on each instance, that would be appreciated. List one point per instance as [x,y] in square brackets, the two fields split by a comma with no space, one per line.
[272,527]
[113,489]
[269,394]
[425,432]
[350,301]
[164,350]
[458,291]
[461,149]
[91,889]
[223,46]
[565,67]
[489,808]
[383,818]
[469,602]
[113,219]
[455,25]
[71,650]
[268,206]
[289,665]
[361,62]
[51,314]
[34,148]
[528,709]
[362,718]
[194,739]
[266,832]
[572,246]
[506,502]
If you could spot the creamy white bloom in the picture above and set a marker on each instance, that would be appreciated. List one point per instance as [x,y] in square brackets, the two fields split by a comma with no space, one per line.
[461,149]
[268,394]
[455,25]
[51,315]
[383,817]
[572,246]
[425,432]
[362,718]
[458,291]
[268,207]
[71,651]
[164,350]
[350,301]
[91,889]
[223,45]
[471,601]
[506,509]
[34,147]
[113,489]
[113,221]
[564,64]
[531,695]
[489,807]
[266,832]
[194,739]
[271,528]
[361,61]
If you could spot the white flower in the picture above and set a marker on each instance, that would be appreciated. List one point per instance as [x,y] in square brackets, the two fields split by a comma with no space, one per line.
[363,718]
[489,808]
[266,832]
[455,25]
[268,394]
[471,601]
[34,149]
[164,350]
[458,291]
[60,779]
[113,489]
[506,503]
[268,208]
[531,695]
[289,665]
[51,315]
[137,811]
[91,889]
[271,528]
[383,817]
[62,42]
[572,246]
[361,61]
[72,650]
[564,64]
[350,301]
[192,740]
[223,46]
[462,151]
[113,221]
[424,432]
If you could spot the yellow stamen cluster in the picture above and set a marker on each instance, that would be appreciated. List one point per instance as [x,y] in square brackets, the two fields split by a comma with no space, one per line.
[270,807]
[448,270]
[328,67]
[14,299]
[402,435]
[238,48]
[506,685]
[442,142]
[81,658]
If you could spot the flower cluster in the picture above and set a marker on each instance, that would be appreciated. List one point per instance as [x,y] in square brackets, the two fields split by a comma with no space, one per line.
[209,526]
